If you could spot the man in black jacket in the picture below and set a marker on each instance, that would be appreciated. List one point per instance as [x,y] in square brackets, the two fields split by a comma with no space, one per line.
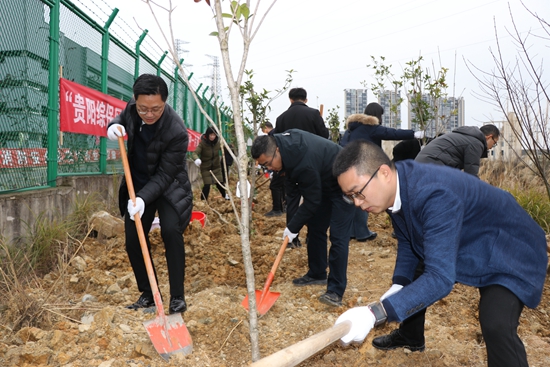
[307,160]
[463,148]
[157,143]
[298,116]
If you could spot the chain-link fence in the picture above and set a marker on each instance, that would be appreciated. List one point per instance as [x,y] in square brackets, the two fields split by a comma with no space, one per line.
[43,40]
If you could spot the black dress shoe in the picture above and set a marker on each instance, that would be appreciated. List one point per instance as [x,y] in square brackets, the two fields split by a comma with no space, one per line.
[144,301]
[177,305]
[369,238]
[394,340]
[307,280]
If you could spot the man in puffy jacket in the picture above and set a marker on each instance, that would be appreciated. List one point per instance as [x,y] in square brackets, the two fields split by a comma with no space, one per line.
[157,143]
[464,231]
[463,148]
[306,159]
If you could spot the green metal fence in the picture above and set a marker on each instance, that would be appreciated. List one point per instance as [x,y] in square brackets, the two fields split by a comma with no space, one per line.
[41,40]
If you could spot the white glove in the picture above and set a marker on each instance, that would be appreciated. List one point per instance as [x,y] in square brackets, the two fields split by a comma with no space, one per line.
[290,235]
[393,290]
[362,321]
[198,162]
[138,208]
[113,133]
[419,134]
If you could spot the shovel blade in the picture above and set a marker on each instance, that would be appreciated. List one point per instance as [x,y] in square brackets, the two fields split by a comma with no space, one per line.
[267,302]
[169,335]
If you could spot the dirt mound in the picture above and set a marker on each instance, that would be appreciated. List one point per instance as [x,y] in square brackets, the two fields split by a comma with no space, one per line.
[90,326]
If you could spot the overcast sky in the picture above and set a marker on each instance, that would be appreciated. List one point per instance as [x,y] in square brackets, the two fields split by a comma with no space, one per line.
[329,43]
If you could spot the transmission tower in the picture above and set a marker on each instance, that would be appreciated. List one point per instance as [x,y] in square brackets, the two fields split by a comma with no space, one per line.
[215,80]
[180,50]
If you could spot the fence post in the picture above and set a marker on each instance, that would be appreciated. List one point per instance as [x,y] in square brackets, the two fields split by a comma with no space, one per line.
[138,52]
[175,103]
[185,103]
[160,62]
[104,82]
[53,93]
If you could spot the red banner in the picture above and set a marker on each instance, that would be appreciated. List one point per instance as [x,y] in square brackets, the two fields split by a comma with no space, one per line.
[84,110]
[194,140]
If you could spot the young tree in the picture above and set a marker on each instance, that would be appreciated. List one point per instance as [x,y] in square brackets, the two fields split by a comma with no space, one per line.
[518,86]
[425,90]
[333,121]
[240,17]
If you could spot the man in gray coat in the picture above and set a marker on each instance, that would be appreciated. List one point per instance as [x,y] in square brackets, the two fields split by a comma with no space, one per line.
[463,148]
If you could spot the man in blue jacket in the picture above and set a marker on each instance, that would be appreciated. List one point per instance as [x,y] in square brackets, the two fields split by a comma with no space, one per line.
[464,230]
[306,159]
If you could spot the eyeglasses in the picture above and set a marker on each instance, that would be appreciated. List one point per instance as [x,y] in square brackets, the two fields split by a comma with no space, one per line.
[152,111]
[265,165]
[349,198]
[494,141]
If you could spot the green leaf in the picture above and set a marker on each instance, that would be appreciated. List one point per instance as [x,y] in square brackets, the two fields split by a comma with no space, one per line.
[227,15]
[214,34]
[245,10]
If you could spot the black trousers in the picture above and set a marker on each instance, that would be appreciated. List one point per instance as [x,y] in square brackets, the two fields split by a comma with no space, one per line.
[277,187]
[499,312]
[172,235]
[206,191]
[335,213]
[292,199]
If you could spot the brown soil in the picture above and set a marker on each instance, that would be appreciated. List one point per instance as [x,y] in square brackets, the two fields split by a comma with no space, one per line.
[215,287]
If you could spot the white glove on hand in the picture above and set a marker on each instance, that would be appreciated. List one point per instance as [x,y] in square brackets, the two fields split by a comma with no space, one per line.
[198,162]
[419,134]
[113,133]
[290,235]
[138,208]
[393,290]
[362,321]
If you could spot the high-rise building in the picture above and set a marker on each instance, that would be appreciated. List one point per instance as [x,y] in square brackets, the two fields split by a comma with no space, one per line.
[450,115]
[355,101]
[508,147]
[391,116]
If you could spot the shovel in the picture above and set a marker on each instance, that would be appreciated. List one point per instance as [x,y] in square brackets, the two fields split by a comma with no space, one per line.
[265,299]
[168,334]
[296,353]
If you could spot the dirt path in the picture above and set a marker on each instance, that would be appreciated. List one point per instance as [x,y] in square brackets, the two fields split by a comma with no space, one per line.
[215,287]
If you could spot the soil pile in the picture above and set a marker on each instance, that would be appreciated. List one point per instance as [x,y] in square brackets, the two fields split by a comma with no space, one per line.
[91,327]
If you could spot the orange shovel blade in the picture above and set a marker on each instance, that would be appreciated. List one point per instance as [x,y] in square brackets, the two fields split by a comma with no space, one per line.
[169,335]
[265,304]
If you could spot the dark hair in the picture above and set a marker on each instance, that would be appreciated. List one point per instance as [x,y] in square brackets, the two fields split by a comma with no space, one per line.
[364,155]
[210,130]
[262,145]
[490,129]
[297,94]
[267,124]
[149,84]
[374,109]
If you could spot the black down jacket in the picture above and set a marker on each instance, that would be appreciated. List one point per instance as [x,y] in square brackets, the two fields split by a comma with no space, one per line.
[166,163]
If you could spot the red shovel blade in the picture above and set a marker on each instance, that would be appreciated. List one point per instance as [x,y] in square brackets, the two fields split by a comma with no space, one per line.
[263,305]
[169,335]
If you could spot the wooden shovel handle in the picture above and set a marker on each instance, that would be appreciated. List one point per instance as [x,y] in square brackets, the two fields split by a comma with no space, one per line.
[271,274]
[296,353]
[140,231]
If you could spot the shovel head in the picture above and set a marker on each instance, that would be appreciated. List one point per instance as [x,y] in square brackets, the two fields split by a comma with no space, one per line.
[265,304]
[169,335]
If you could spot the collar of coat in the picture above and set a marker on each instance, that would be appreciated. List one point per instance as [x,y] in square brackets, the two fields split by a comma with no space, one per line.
[362,119]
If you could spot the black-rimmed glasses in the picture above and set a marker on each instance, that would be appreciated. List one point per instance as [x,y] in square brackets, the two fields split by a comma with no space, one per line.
[349,198]
[265,165]
[154,111]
